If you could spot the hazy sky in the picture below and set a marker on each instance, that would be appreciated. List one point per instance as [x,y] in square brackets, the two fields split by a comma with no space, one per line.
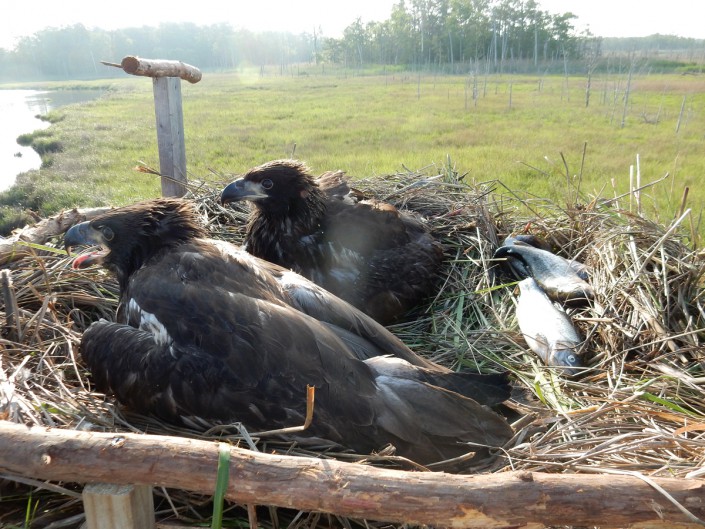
[608,18]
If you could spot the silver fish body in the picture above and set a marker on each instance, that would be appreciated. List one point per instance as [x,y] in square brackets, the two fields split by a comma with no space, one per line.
[547,329]
[552,272]
[525,239]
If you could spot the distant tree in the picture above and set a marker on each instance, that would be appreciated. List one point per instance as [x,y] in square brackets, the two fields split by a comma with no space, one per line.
[564,40]
[443,34]
[355,41]
[402,34]
[591,52]
[380,42]
[470,26]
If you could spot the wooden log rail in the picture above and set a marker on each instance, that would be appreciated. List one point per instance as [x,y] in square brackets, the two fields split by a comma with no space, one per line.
[501,500]
[159,68]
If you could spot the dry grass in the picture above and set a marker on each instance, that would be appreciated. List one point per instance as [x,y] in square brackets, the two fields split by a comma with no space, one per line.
[638,408]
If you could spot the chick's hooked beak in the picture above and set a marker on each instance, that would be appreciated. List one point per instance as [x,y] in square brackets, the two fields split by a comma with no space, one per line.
[242,189]
[84,234]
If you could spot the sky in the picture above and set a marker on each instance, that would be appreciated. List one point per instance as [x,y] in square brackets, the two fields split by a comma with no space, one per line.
[606,18]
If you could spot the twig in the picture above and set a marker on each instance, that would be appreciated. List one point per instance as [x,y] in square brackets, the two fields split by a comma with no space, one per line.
[12,311]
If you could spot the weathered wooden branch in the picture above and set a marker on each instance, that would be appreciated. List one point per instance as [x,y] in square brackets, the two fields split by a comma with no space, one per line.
[12,311]
[526,499]
[11,248]
[158,68]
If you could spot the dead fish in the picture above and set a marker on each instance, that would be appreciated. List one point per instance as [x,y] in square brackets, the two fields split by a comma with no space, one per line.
[527,238]
[552,272]
[547,329]
[532,240]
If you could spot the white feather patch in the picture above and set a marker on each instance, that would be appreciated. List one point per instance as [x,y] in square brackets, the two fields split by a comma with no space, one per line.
[148,322]
[301,289]
[239,255]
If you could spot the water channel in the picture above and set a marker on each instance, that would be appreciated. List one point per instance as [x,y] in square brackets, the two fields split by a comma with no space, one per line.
[18,115]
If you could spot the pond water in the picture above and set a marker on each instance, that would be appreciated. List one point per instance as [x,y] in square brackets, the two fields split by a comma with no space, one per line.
[18,111]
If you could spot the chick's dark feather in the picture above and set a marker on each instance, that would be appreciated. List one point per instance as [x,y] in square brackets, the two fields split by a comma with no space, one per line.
[367,252]
[205,330]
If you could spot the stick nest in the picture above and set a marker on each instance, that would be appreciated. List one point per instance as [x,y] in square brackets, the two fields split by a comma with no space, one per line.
[639,408]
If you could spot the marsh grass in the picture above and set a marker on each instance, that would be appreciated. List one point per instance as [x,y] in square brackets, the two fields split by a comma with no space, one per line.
[533,133]
[638,408]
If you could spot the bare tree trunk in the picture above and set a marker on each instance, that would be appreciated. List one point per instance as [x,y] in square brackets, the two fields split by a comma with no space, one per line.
[588,87]
[450,48]
[510,94]
[627,92]
[508,499]
[536,48]
[680,115]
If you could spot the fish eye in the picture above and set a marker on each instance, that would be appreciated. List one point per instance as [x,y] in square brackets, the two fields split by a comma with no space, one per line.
[572,359]
[108,234]
[267,183]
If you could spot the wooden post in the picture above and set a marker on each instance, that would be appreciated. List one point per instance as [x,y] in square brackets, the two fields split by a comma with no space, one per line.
[170,135]
[166,77]
[118,506]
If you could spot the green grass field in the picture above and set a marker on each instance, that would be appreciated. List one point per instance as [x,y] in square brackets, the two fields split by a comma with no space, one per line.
[528,132]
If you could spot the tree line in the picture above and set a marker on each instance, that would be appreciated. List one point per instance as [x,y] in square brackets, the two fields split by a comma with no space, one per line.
[455,36]
[450,32]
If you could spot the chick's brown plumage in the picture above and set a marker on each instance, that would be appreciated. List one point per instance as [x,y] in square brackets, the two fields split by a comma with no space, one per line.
[206,331]
[376,257]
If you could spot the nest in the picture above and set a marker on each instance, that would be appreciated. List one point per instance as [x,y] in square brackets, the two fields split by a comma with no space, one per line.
[638,408]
